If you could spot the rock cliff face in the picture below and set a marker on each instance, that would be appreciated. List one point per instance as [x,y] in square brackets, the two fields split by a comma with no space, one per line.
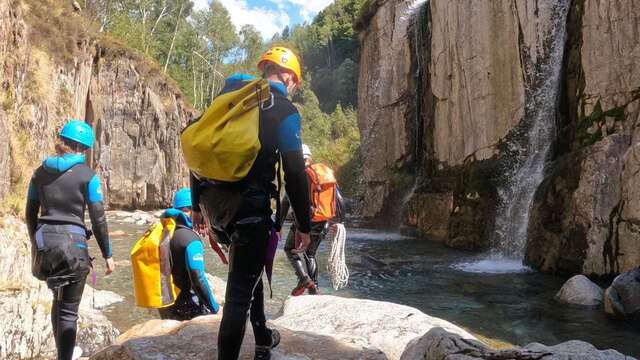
[587,212]
[443,86]
[446,94]
[136,112]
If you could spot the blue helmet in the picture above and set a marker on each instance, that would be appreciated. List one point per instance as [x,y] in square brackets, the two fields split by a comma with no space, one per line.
[182,198]
[78,131]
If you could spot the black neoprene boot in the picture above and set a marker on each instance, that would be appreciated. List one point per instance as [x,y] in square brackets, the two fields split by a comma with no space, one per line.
[263,352]
[312,265]
[304,281]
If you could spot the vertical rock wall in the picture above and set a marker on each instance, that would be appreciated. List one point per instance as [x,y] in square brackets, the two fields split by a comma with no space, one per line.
[587,213]
[386,96]
[439,96]
[136,111]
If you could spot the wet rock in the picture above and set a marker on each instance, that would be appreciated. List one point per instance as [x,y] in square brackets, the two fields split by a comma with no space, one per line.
[575,210]
[590,201]
[99,299]
[117,233]
[25,304]
[195,339]
[381,325]
[622,298]
[218,288]
[580,291]
[432,220]
[440,344]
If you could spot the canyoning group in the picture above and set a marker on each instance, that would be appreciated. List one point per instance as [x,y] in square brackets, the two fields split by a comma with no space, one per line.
[237,151]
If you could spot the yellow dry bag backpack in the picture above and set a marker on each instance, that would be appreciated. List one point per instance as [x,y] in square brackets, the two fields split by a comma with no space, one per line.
[151,266]
[223,144]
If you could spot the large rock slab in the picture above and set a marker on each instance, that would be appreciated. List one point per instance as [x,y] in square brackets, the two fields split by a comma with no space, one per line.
[477,77]
[622,298]
[580,291]
[196,339]
[382,325]
[440,344]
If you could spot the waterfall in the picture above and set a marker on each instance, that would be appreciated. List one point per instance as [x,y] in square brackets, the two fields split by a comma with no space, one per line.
[413,16]
[527,168]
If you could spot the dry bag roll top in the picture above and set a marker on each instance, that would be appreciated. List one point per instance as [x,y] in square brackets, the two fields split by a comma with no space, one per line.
[323,184]
[151,266]
[224,143]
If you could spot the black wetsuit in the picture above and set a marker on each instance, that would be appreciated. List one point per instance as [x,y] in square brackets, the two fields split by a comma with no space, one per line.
[188,271]
[243,215]
[60,191]
[306,266]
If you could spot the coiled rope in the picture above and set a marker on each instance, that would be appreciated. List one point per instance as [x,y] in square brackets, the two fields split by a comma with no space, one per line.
[337,265]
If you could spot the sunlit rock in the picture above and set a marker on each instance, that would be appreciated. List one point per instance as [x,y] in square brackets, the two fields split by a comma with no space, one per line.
[580,291]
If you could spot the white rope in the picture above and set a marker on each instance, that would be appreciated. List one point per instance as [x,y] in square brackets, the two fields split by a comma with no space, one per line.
[337,265]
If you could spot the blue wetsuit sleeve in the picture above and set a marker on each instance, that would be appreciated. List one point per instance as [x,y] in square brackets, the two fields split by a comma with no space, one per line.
[199,283]
[289,134]
[95,202]
[32,209]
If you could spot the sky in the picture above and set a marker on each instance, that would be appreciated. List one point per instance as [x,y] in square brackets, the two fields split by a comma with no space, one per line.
[269,16]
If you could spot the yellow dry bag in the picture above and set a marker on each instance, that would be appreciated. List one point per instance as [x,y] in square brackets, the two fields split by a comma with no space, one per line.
[151,266]
[224,143]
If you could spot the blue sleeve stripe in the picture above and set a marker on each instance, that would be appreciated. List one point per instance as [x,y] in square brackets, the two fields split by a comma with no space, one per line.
[94,190]
[289,134]
[195,261]
[195,255]
[32,194]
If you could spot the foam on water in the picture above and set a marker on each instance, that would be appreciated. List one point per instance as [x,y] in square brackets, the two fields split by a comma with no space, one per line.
[373,235]
[496,265]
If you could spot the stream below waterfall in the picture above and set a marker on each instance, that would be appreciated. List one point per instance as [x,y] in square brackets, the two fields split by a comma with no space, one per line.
[514,307]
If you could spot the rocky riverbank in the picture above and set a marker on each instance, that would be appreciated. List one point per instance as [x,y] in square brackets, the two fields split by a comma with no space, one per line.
[329,327]
[25,304]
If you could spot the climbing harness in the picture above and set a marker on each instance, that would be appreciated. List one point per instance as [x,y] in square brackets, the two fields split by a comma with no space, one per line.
[337,265]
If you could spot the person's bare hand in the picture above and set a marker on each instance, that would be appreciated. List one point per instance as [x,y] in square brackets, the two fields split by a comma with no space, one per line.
[198,223]
[302,241]
[110,265]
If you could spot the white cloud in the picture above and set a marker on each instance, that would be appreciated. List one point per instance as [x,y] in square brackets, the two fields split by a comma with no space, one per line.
[267,20]
[309,8]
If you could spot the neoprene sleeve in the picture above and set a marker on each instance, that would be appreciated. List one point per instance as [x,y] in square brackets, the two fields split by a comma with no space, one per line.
[297,187]
[31,216]
[32,209]
[195,264]
[340,207]
[99,227]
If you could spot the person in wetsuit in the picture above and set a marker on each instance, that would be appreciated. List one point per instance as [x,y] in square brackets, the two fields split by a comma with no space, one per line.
[305,264]
[59,192]
[242,213]
[187,265]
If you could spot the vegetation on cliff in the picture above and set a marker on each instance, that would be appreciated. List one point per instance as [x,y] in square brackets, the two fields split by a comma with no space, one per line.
[198,48]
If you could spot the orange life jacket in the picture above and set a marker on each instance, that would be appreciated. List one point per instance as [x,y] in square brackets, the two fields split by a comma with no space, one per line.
[323,186]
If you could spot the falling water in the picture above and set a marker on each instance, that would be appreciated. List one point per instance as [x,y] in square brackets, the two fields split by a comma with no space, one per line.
[414,16]
[527,170]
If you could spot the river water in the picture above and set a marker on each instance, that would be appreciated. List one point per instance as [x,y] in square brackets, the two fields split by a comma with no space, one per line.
[514,307]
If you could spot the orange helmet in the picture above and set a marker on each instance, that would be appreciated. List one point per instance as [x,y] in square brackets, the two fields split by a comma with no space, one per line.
[282,57]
